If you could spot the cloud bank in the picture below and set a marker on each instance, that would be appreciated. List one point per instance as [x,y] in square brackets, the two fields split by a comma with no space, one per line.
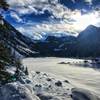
[53,15]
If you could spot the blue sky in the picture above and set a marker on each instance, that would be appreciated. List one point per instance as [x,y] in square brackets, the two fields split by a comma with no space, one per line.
[42,17]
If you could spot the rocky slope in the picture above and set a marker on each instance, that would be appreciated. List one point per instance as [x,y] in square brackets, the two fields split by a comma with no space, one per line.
[18,43]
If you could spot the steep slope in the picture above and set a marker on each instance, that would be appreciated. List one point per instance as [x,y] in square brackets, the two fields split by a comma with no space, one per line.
[19,43]
[89,42]
[13,45]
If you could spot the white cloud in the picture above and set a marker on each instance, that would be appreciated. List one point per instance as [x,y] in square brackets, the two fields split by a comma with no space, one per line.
[29,6]
[76,24]
[67,19]
[90,1]
[21,29]
[16,17]
[57,9]
[48,28]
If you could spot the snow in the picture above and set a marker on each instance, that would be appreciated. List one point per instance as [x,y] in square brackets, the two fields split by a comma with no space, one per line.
[53,81]
[82,94]
[16,91]
[46,85]
[43,84]
[51,87]
[1,22]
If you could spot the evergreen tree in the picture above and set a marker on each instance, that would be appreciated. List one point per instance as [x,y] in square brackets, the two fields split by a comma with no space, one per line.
[4,5]
[7,58]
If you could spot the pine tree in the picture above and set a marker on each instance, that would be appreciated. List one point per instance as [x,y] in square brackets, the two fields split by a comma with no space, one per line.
[26,71]
[4,5]
[7,59]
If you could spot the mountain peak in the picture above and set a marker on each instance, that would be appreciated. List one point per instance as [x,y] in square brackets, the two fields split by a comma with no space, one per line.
[90,30]
[91,27]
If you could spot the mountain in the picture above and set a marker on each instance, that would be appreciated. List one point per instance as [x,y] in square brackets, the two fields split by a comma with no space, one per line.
[55,46]
[18,43]
[13,46]
[23,46]
[88,42]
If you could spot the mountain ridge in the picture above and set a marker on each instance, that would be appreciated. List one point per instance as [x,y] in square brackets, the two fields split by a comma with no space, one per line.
[65,46]
[15,39]
[88,42]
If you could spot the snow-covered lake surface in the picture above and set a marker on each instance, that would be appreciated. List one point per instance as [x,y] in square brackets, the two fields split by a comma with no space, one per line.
[81,77]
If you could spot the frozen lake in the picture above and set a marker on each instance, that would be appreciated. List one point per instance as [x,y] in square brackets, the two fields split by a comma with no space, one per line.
[84,77]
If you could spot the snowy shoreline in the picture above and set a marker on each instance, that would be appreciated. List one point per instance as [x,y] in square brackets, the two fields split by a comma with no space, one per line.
[50,80]
[44,86]
[33,65]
